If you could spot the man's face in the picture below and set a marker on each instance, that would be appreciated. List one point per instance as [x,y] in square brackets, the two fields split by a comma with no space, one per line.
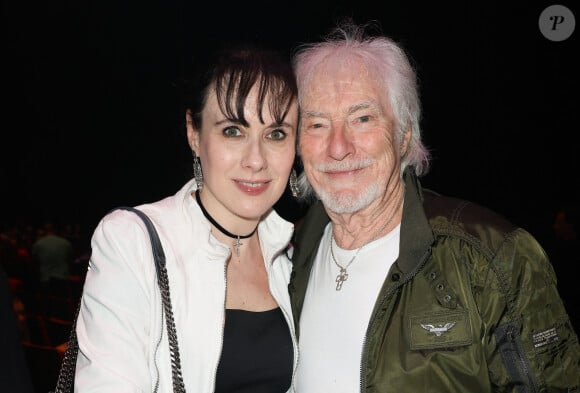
[347,141]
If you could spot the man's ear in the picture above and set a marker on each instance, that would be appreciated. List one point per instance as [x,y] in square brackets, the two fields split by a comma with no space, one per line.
[192,132]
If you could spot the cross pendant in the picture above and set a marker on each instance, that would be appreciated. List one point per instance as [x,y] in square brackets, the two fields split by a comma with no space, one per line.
[341,278]
[237,244]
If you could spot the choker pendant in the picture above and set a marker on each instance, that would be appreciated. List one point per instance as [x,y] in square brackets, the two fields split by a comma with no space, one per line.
[237,242]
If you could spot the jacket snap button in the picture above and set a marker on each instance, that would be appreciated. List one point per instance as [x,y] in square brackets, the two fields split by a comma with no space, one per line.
[433,275]
[395,277]
[440,287]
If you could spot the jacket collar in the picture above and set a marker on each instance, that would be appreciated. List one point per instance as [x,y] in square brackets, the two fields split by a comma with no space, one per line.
[416,233]
[274,231]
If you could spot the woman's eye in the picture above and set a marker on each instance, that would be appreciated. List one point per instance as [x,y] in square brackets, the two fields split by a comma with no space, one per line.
[232,131]
[277,135]
[364,119]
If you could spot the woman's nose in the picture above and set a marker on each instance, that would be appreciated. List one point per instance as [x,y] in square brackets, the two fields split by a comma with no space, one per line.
[254,157]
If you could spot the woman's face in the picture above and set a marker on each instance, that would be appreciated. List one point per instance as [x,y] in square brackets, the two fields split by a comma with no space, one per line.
[245,169]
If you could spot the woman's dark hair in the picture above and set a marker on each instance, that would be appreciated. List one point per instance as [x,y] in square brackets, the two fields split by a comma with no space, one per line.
[233,72]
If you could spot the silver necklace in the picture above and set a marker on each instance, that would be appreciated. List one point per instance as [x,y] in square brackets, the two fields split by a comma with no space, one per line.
[342,276]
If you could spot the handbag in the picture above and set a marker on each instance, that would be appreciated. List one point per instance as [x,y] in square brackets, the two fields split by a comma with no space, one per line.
[66,376]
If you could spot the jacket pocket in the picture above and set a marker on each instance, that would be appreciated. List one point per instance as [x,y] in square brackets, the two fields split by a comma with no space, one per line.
[514,359]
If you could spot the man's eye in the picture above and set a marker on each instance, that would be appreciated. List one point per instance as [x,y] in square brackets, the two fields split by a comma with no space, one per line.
[363,122]
[231,131]
[277,135]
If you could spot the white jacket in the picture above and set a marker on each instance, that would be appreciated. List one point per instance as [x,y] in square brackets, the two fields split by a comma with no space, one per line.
[121,332]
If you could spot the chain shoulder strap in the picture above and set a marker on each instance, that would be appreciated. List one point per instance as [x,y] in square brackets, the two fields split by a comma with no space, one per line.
[65,382]
[66,375]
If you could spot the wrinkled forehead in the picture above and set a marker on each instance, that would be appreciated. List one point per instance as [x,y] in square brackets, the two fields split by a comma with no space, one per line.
[339,83]
[335,70]
[339,63]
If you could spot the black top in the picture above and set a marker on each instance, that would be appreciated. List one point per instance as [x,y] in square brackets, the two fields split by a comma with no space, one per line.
[257,354]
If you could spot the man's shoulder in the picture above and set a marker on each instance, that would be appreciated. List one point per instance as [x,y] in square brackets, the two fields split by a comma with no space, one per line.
[457,211]
[456,217]
[52,240]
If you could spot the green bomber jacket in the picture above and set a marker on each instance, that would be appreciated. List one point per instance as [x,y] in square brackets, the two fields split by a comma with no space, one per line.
[470,305]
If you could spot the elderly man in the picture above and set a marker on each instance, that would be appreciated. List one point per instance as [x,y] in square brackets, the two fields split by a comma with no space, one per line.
[396,288]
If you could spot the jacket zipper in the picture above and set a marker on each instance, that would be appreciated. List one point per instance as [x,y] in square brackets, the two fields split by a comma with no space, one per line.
[294,343]
[155,356]
[221,343]
[519,359]
[364,354]
[156,389]
[288,320]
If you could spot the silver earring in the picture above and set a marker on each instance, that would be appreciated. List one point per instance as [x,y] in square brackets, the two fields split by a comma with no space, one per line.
[197,173]
[293,183]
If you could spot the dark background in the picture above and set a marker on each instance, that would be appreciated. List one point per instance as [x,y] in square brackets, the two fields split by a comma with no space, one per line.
[90,113]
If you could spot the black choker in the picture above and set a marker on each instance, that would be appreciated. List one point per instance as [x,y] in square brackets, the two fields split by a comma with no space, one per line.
[237,243]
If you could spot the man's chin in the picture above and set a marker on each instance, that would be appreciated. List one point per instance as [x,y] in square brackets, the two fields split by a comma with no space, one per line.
[342,202]
[347,200]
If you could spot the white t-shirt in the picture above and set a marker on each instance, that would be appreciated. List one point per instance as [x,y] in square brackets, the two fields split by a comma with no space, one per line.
[333,323]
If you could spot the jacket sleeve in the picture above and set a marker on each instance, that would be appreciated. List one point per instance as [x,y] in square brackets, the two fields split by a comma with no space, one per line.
[115,320]
[532,341]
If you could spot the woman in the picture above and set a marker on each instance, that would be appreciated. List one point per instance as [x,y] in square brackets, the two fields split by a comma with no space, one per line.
[224,245]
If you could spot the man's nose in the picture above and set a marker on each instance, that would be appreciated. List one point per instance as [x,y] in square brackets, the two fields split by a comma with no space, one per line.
[340,143]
